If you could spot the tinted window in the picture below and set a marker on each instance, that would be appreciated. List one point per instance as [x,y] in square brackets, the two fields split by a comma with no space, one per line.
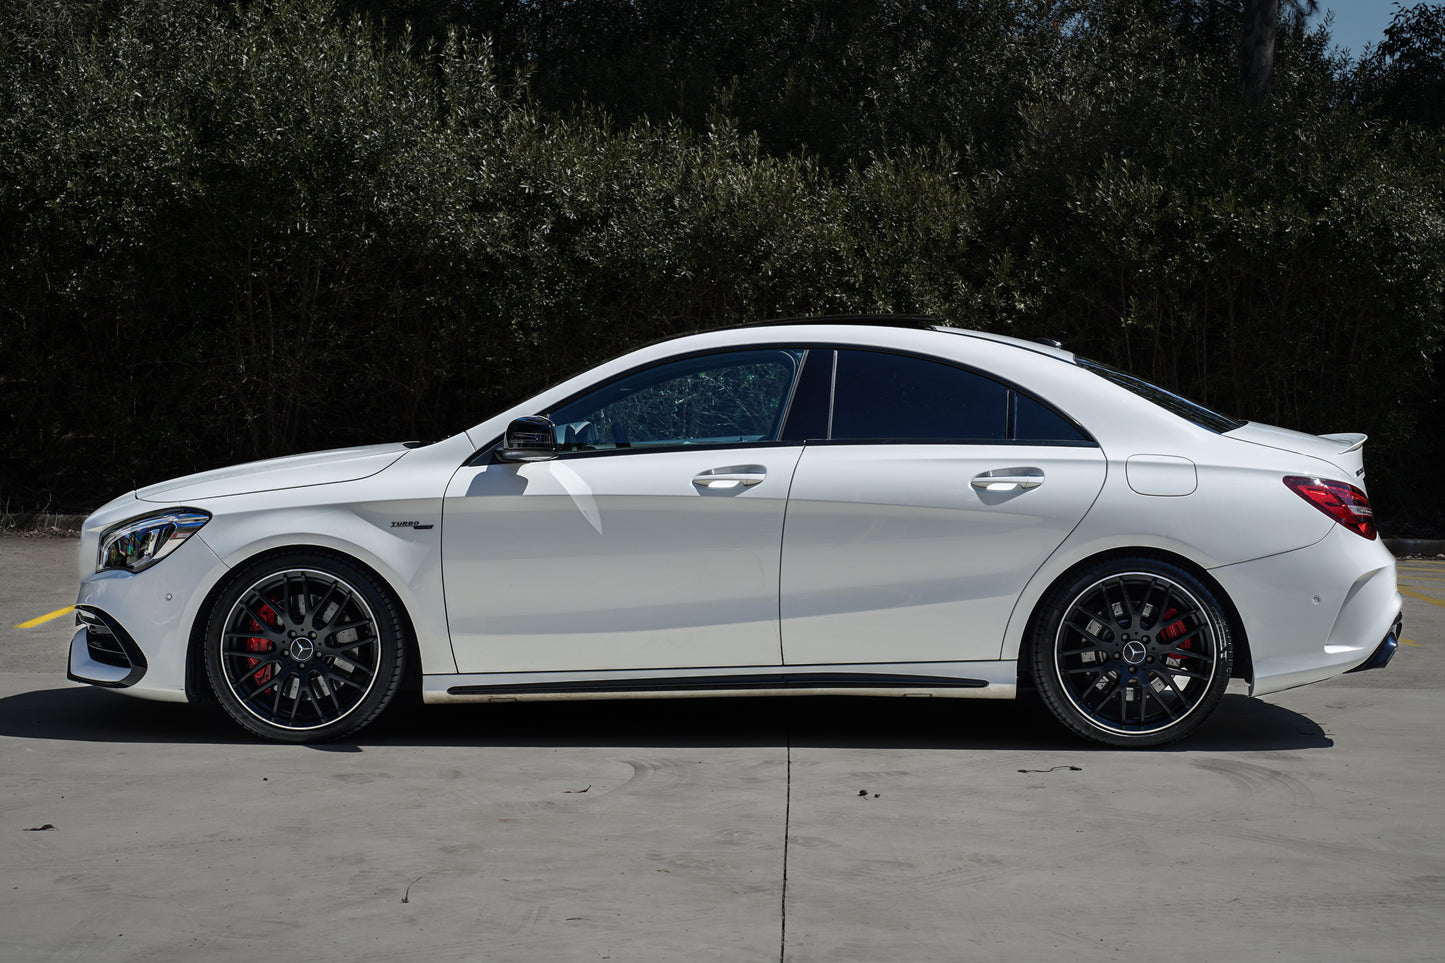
[1034,421]
[892,396]
[711,399]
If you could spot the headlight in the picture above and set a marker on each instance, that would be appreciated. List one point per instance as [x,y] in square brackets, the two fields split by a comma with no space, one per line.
[141,542]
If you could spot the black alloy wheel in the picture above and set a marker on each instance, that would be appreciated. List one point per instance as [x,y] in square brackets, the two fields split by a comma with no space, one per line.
[304,647]
[1132,652]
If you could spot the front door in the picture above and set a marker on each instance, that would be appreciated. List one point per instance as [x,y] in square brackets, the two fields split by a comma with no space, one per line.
[652,541]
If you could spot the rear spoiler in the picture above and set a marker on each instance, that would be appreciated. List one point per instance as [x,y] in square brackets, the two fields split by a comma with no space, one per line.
[1353,441]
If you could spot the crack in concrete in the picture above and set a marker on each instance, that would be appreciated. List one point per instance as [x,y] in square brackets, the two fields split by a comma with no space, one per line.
[787,829]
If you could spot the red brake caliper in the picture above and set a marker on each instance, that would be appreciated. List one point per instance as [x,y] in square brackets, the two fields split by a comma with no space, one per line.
[1170,632]
[259,645]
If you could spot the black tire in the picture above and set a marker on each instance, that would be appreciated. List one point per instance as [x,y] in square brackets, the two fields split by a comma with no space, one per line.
[304,647]
[1132,652]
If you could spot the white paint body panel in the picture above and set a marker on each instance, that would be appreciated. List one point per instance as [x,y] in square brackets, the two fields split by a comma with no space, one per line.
[615,561]
[292,471]
[891,555]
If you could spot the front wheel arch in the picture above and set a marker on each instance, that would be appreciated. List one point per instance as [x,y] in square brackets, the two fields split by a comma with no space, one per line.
[198,691]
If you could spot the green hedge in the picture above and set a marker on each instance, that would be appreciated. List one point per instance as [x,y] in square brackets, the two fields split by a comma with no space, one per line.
[230,233]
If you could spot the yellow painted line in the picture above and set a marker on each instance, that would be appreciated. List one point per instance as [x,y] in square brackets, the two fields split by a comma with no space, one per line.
[1424,598]
[1423,578]
[1411,642]
[46,618]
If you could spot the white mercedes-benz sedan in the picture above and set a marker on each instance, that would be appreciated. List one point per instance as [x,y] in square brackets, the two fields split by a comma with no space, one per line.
[839,506]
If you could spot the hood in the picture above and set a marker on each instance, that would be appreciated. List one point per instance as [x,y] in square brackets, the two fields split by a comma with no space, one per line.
[292,471]
[1344,451]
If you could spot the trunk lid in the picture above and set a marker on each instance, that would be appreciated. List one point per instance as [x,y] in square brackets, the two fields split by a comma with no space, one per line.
[1346,450]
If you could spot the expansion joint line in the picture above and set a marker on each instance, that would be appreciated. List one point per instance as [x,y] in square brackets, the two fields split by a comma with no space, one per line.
[787,829]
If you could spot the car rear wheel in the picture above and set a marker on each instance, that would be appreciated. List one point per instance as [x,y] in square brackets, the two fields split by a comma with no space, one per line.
[304,647]
[1132,652]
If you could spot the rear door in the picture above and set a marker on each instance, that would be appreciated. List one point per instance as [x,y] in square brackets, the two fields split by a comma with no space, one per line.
[921,506]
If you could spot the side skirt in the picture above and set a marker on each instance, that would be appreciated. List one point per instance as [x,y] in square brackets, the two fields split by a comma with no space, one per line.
[971,680]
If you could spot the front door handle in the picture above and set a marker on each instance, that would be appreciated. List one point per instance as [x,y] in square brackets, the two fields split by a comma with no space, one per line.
[1008,479]
[734,476]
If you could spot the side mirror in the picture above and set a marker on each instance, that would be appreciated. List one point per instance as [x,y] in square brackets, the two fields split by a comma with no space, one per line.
[529,439]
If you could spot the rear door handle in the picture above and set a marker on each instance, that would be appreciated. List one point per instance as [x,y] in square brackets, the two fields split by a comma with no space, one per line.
[1008,479]
[734,476]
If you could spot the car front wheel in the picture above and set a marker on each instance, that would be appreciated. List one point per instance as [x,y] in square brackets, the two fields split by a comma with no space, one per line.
[304,647]
[1132,652]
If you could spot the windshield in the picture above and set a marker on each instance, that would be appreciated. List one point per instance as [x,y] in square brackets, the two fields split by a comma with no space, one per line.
[1168,400]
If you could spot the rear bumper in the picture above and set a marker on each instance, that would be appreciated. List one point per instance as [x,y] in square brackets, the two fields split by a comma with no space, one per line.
[1385,651]
[1316,612]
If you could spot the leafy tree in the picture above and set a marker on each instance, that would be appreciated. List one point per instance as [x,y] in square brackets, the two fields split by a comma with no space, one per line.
[235,231]
[1406,72]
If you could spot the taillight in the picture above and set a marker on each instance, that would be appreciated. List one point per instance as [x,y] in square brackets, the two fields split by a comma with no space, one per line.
[1344,503]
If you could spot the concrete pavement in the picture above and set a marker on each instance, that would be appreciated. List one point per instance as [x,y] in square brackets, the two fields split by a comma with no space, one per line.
[1302,828]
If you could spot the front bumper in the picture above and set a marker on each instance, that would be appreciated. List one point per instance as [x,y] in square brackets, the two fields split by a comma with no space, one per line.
[134,628]
[103,652]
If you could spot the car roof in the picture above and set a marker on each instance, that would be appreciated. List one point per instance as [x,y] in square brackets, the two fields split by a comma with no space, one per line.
[921,322]
[1041,346]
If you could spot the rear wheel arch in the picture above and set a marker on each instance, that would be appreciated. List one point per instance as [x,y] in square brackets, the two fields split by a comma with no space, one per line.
[1243,661]
[1131,650]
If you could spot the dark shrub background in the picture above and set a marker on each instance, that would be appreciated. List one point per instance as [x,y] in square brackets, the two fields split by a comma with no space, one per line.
[231,232]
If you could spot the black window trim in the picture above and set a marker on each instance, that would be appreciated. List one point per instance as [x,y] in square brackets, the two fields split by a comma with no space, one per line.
[485,452]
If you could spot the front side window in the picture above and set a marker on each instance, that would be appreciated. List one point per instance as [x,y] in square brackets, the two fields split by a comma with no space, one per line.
[730,398]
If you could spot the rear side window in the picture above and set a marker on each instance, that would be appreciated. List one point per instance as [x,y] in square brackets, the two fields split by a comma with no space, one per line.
[878,396]
[894,396]
[1035,421]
